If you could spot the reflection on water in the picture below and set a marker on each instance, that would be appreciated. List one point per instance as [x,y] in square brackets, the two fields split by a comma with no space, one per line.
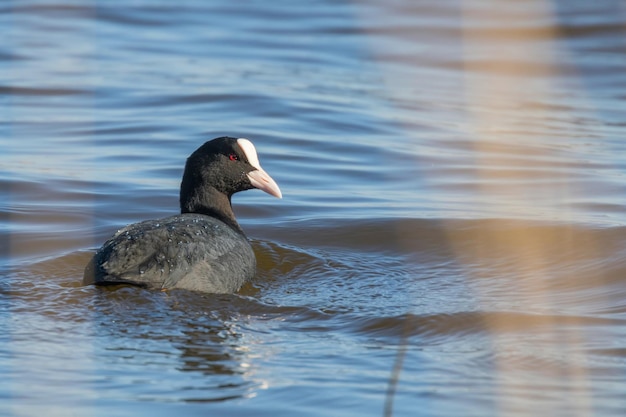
[182,332]
[453,181]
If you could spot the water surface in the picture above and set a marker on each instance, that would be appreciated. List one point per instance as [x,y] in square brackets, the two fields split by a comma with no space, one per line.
[452,227]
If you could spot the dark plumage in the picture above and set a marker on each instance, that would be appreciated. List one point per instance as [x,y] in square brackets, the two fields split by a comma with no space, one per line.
[201,249]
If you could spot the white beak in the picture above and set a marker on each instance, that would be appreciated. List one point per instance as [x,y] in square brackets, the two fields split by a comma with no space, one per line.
[261,180]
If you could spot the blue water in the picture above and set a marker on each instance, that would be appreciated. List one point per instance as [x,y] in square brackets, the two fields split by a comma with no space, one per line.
[451,237]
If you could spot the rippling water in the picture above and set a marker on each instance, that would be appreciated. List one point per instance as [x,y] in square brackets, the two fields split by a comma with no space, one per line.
[451,238]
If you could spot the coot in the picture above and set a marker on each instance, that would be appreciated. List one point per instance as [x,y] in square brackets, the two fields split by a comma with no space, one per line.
[201,249]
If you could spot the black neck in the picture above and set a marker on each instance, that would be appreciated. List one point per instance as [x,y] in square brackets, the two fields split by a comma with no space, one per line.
[210,202]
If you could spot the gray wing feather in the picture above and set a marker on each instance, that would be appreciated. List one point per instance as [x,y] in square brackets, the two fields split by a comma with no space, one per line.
[189,251]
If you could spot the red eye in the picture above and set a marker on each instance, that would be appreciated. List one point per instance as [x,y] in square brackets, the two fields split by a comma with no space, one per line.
[233,157]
